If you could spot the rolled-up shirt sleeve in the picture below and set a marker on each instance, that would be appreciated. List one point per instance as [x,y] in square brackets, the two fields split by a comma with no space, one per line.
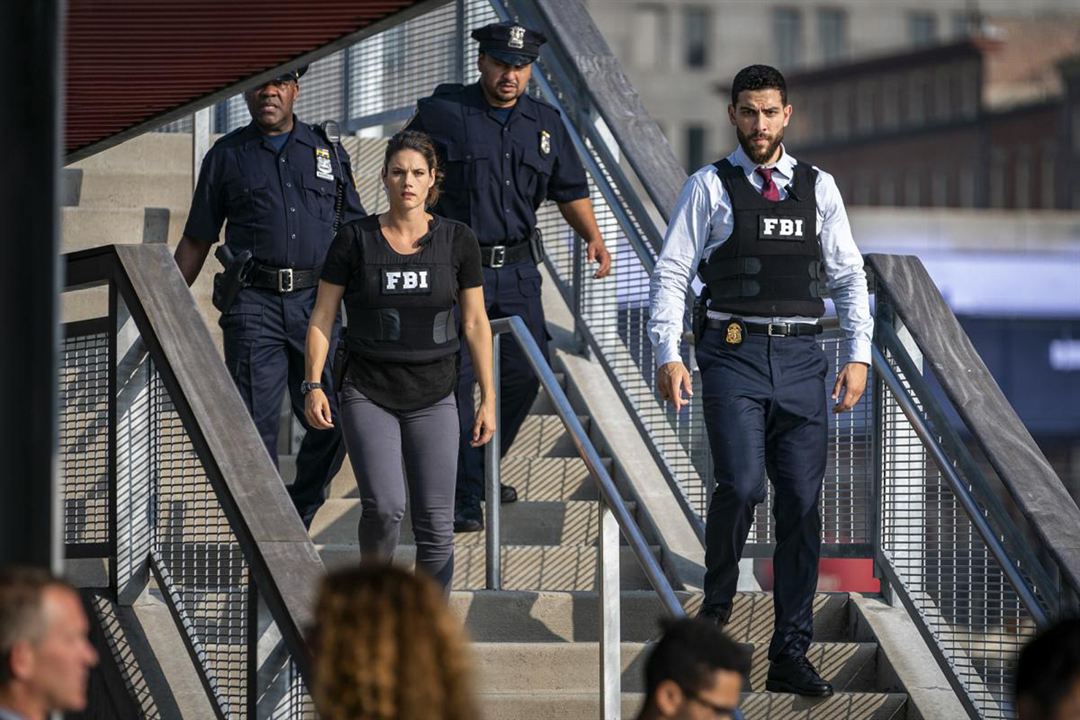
[684,242]
[844,273]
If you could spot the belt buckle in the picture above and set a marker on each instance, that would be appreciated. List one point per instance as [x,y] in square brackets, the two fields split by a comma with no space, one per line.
[498,256]
[285,280]
[782,332]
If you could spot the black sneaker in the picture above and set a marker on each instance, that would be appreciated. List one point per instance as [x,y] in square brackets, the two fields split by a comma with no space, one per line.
[471,520]
[796,675]
[507,494]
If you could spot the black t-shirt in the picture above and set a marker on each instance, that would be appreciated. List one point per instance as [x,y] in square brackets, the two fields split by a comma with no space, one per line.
[398,385]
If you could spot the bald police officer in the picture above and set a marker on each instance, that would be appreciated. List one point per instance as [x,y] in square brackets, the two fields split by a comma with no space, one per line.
[505,153]
[768,235]
[280,186]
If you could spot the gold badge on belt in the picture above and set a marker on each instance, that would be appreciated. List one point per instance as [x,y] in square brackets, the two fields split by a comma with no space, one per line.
[734,335]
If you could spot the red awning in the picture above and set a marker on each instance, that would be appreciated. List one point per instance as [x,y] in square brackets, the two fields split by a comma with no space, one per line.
[135,64]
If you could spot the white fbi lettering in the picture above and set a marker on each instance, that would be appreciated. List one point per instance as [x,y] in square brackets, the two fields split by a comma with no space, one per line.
[407,279]
[770,225]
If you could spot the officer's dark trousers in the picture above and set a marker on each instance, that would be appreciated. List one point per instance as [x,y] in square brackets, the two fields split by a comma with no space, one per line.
[509,290]
[766,412]
[264,336]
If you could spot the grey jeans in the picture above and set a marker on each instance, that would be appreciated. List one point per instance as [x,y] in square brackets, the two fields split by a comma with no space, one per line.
[389,448]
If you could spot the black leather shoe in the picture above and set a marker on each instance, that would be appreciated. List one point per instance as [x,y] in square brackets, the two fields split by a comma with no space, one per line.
[718,617]
[796,675]
[507,494]
[468,521]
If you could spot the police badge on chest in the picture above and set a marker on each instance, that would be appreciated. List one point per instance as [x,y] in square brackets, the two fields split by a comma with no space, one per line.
[323,169]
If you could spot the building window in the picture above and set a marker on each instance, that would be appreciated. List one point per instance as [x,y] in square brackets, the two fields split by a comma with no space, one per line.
[788,34]
[962,24]
[1022,189]
[887,191]
[939,187]
[922,28]
[695,147]
[916,99]
[696,36]
[890,103]
[651,37]
[997,179]
[1048,184]
[833,29]
[967,187]
[865,102]
[944,80]
[841,112]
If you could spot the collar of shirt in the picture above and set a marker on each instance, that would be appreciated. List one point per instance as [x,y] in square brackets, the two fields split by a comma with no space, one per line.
[477,103]
[784,167]
[301,133]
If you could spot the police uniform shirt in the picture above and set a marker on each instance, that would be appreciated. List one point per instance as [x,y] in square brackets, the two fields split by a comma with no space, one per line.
[703,220]
[395,385]
[279,205]
[498,173]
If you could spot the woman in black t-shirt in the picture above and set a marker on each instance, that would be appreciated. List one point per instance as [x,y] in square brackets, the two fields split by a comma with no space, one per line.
[401,274]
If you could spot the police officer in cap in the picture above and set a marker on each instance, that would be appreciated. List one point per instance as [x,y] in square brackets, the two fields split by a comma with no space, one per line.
[769,237]
[281,188]
[505,153]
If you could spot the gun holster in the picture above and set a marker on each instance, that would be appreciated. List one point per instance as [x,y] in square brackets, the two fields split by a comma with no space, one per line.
[536,246]
[233,278]
[700,315]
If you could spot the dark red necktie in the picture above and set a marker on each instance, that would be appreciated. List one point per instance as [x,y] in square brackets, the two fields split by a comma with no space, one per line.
[769,191]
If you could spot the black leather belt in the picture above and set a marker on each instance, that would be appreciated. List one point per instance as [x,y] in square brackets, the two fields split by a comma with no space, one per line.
[283,280]
[782,329]
[495,256]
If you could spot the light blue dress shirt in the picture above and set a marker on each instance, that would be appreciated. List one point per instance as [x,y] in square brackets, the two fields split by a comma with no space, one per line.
[703,221]
[6,714]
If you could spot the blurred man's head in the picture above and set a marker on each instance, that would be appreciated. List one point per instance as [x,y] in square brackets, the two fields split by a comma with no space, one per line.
[1048,674]
[45,655]
[694,672]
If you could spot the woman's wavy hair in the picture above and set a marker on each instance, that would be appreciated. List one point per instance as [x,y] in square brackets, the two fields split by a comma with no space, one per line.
[421,143]
[387,647]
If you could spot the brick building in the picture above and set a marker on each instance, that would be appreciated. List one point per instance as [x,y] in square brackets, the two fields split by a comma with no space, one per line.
[991,121]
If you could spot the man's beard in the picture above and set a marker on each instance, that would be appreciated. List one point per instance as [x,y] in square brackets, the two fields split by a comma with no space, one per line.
[760,157]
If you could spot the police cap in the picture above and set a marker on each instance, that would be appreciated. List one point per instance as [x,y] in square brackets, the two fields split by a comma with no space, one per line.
[509,42]
[293,75]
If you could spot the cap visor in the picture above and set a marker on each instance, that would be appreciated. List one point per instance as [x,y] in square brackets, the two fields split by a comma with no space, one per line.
[510,58]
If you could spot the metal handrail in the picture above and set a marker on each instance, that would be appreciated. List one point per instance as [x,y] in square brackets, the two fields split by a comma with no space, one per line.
[615,517]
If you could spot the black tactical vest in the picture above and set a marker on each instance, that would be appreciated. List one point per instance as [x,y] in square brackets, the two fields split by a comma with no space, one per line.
[771,264]
[401,307]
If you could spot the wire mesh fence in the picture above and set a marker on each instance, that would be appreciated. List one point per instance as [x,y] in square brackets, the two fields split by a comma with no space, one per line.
[944,566]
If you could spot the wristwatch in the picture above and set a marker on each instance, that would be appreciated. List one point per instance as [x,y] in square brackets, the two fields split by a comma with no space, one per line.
[306,387]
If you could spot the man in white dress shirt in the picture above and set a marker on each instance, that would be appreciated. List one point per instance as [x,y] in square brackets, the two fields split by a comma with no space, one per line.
[769,238]
[45,654]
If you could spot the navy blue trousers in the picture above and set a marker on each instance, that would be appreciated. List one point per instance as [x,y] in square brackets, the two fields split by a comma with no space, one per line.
[509,290]
[264,336]
[766,412]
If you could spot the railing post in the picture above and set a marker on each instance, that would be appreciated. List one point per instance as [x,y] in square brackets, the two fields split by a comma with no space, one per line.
[610,616]
[492,458]
[577,293]
[200,142]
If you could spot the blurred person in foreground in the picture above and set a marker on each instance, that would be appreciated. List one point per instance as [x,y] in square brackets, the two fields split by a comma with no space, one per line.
[45,654]
[387,647]
[1048,674]
[695,671]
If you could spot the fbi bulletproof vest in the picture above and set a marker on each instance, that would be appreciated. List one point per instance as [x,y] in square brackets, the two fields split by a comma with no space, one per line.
[771,264]
[401,307]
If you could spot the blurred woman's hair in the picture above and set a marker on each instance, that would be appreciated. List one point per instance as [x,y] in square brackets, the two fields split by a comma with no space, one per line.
[421,143]
[387,647]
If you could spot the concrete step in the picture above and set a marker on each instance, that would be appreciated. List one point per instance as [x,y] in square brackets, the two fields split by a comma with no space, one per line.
[545,436]
[535,567]
[545,479]
[575,706]
[575,522]
[107,189]
[86,227]
[528,616]
[150,152]
[573,667]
